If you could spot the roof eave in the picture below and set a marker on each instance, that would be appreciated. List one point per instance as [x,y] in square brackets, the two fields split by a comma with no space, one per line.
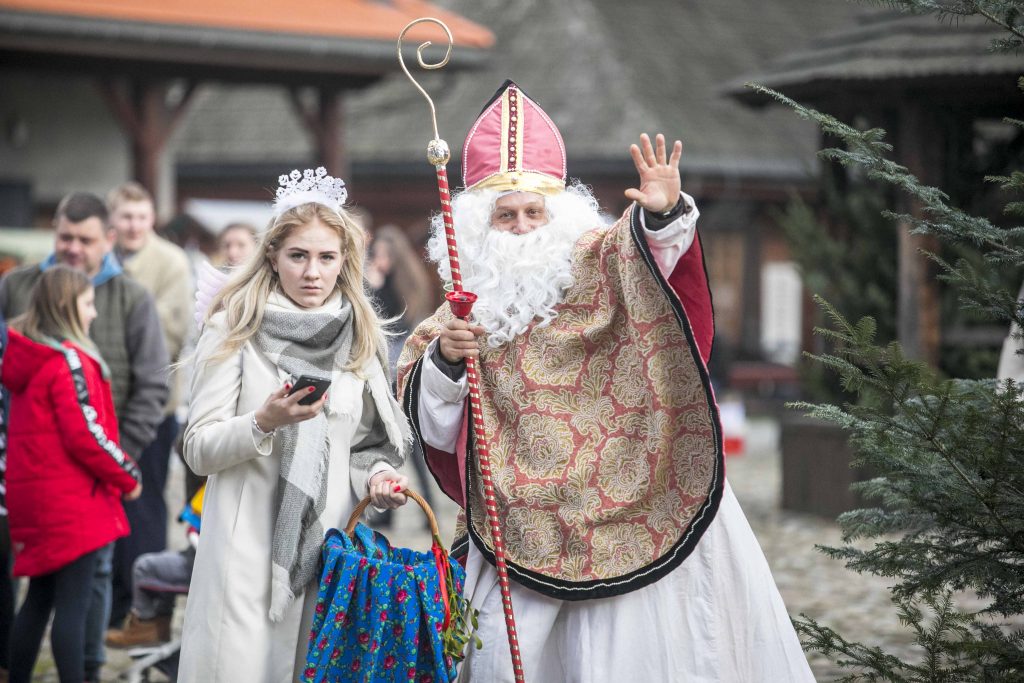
[810,89]
[266,52]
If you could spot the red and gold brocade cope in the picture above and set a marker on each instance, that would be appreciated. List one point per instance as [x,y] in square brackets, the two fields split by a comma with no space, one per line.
[603,436]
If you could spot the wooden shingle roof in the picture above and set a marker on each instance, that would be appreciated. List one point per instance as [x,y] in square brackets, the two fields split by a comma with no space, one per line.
[603,69]
[886,51]
[606,71]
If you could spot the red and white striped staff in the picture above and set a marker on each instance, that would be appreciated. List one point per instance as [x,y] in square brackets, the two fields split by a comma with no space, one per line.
[461,303]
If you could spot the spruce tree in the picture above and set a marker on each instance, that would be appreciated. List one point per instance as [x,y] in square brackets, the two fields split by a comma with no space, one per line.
[846,251]
[948,452]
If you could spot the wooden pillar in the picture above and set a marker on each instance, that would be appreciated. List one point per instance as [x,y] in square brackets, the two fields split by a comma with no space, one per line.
[323,118]
[918,326]
[141,107]
[750,296]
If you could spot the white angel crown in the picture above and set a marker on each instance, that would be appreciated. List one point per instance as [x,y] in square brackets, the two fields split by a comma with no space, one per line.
[309,186]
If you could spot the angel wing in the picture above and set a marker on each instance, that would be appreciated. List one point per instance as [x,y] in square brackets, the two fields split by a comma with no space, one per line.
[209,282]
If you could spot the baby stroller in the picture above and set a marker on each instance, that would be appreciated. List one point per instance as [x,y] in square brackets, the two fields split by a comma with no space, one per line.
[387,614]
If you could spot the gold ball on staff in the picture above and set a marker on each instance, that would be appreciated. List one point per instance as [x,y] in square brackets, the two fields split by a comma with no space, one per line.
[438,153]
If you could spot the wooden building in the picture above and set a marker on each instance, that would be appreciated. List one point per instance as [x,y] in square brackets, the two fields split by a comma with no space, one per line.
[941,94]
[94,91]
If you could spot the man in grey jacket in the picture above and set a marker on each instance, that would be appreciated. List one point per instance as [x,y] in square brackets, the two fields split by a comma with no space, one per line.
[127,333]
[163,269]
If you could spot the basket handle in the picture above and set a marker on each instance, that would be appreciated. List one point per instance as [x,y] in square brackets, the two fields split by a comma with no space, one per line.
[365,503]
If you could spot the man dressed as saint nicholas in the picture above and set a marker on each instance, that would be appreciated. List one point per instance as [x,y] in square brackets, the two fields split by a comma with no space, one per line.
[629,556]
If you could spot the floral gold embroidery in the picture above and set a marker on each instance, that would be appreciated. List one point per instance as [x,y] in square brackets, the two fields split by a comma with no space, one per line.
[624,471]
[548,445]
[552,358]
[620,549]
[632,390]
[534,537]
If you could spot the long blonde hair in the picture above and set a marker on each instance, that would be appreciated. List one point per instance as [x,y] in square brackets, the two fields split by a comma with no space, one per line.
[244,297]
[52,312]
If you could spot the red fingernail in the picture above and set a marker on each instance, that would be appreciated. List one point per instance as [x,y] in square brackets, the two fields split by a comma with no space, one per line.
[311,389]
[287,386]
[397,488]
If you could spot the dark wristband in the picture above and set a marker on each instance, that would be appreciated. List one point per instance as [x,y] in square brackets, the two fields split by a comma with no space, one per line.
[452,371]
[669,212]
[657,221]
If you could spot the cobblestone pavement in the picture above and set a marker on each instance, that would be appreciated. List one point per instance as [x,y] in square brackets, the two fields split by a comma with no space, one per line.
[811,583]
[855,605]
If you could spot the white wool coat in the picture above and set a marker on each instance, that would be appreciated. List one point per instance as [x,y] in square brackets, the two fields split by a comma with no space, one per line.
[227,635]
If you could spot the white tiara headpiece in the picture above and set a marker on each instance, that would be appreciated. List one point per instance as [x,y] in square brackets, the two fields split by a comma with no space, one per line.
[308,186]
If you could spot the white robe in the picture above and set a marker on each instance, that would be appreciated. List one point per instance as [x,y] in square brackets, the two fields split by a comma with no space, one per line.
[227,635]
[717,618]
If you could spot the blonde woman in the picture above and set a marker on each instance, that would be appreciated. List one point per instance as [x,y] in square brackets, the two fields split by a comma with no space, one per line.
[282,473]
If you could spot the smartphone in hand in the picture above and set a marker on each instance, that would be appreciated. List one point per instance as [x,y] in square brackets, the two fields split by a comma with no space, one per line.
[302,383]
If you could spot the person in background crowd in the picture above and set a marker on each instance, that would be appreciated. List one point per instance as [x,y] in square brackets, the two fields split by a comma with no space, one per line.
[235,244]
[281,473]
[66,472]
[386,299]
[399,283]
[164,270]
[7,591]
[156,579]
[127,334]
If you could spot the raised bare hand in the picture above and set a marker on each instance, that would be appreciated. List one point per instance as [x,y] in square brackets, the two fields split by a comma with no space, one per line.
[659,179]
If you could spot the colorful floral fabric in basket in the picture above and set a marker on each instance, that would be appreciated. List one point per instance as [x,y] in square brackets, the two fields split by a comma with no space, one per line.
[380,613]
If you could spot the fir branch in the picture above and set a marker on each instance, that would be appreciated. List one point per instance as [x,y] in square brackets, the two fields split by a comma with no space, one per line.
[879,665]
[951,460]
[956,647]
[1004,44]
[998,12]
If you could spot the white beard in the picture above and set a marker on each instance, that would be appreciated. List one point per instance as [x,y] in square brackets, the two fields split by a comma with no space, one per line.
[518,279]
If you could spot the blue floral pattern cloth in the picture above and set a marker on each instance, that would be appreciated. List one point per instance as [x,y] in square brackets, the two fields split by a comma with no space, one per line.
[379,614]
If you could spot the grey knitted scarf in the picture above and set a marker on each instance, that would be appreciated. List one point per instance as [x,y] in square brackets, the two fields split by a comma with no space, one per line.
[303,343]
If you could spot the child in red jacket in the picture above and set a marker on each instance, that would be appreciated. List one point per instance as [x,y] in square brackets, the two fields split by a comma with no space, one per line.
[66,474]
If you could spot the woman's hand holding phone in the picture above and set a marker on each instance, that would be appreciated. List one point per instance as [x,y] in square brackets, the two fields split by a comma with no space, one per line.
[283,407]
